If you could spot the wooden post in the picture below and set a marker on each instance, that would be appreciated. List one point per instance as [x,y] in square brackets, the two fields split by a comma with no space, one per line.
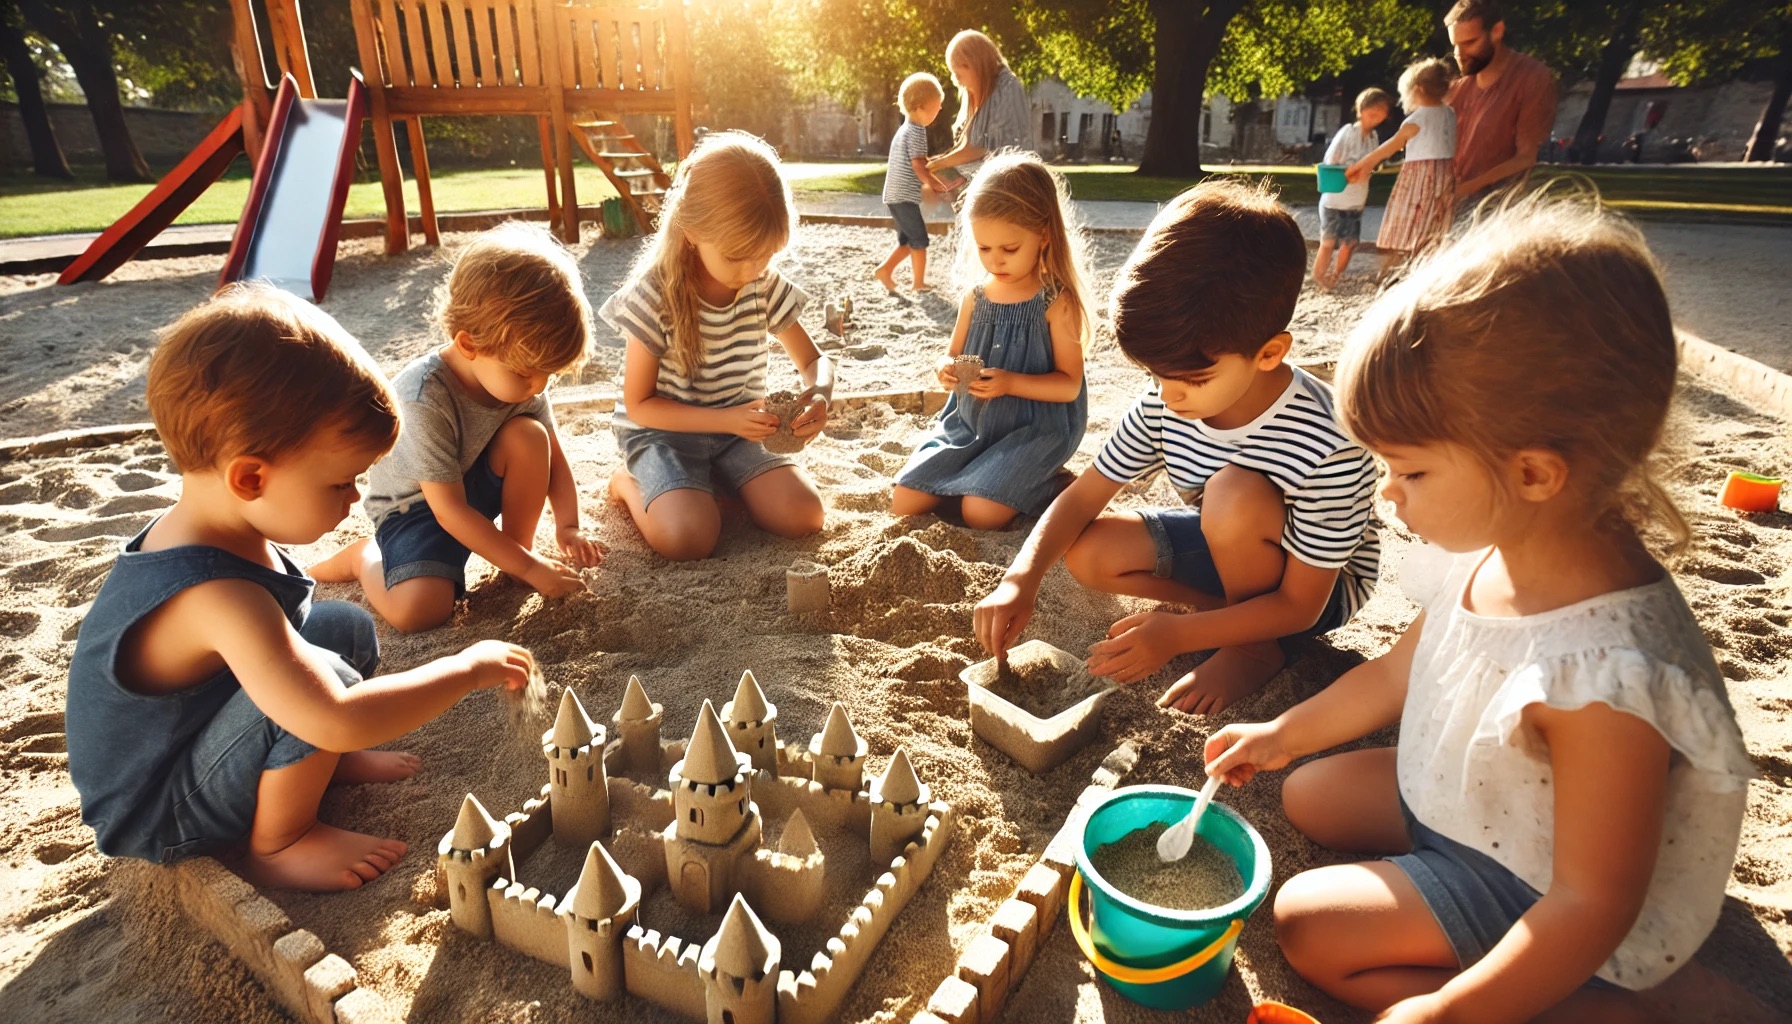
[376,60]
[683,85]
[551,27]
[288,30]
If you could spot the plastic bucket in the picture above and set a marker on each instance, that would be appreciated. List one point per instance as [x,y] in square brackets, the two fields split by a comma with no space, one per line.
[1331,178]
[1157,957]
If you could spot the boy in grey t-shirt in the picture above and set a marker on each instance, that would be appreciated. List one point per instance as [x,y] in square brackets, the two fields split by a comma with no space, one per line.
[477,440]
[920,98]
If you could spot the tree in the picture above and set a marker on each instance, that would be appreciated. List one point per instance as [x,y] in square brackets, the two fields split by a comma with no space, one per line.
[1700,42]
[82,31]
[46,153]
[1622,25]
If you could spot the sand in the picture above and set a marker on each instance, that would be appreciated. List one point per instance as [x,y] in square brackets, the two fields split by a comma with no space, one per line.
[1201,879]
[84,938]
[1040,688]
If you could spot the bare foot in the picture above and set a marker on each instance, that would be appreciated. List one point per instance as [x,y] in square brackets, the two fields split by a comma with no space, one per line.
[922,289]
[887,279]
[358,766]
[1231,673]
[342,567]
[324,859]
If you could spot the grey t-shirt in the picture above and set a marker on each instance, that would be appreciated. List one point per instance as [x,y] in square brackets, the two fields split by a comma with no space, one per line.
[1004,121]
[442,432]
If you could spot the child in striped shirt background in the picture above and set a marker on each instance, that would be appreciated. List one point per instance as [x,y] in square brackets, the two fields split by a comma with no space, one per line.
[698,310]
[1279,538]
[920,99]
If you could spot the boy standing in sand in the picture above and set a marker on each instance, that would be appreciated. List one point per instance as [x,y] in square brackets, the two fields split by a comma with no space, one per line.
[210,701]
[478,439]
[1280,538]
[920,99]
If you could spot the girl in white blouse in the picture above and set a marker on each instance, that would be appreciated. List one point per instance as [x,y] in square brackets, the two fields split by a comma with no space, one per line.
[1565,799]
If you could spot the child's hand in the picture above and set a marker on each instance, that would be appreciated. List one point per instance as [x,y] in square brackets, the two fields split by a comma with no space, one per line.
[1137,646]
[1000,617]
[1355,173]
[809,422]
[943,370]
[992,384]
[1238,752]
[751,421]
[579,548]
[552,578]
[492,663]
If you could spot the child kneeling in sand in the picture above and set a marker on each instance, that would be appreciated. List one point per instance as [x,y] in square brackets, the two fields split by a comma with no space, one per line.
[1282,539]
[479,441]
[210,701]
[1562,809]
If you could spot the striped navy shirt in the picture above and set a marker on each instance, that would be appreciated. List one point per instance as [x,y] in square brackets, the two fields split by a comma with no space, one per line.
[735,337]
[901,184]
[1326,479]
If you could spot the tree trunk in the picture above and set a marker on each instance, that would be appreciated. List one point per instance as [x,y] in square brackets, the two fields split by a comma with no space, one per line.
[46,153]
[1613,59]
[1188,36]
[86,44]
[1767,130]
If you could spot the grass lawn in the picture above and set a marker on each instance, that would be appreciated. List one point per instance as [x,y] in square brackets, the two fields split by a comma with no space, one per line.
[31,206]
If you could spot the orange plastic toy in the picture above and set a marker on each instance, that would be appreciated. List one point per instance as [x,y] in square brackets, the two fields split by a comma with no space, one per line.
[1278,1013]
[1747,492]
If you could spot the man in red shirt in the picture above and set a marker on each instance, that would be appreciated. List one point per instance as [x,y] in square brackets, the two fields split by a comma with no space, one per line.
[1505,101]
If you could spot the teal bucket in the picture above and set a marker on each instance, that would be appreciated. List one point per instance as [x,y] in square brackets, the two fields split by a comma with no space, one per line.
[1331,178]
[1157,957]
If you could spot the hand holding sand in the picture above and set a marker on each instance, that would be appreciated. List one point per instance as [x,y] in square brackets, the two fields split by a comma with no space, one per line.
[991,383]
[1137,646]
[814,415]
[1238,752]
[579,548]
[553,578]
[751,421]
[1000,618]
[490,663]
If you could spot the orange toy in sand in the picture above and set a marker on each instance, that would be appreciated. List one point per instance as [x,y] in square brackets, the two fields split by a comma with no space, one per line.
[1747,492]
[1278,1013]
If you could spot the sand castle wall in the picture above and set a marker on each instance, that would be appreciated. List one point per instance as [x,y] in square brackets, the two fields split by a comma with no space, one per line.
[664,971]
[524,918]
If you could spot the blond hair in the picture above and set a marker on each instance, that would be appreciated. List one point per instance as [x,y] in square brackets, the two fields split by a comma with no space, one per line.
[980,52]
[917,89]
[730,193]
[1017,187]
[1543,326]
[1429,78]
[516,292]
[256,371]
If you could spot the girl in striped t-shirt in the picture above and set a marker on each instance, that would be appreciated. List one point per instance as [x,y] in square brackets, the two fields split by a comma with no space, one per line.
[698,310]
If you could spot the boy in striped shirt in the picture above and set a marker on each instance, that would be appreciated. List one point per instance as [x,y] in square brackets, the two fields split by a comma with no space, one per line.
[920,99]
[1278,537]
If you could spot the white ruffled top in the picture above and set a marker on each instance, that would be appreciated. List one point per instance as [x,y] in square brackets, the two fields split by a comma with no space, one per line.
[1470,768]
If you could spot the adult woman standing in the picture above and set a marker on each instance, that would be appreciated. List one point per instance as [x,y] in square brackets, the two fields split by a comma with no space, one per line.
[992,105]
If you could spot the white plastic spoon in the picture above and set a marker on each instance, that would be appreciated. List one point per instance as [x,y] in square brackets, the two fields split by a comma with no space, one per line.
[1174,844]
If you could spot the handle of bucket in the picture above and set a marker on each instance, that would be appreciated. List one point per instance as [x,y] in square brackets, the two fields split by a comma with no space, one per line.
[1138,975]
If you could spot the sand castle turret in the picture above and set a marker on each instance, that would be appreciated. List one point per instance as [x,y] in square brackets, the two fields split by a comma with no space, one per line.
[578,786]
[469,858]
[715,825]
[601,908]
[898,808]
[751,723]
[838,753]
[637,724]
[739,965]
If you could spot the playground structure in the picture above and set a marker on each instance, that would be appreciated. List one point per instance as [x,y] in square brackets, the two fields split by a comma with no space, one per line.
[578,68]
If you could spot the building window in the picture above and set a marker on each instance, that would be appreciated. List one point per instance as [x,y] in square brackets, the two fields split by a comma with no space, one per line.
[587,957]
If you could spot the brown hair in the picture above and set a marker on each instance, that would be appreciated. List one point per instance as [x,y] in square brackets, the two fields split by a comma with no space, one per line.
[986,60]
[1218,273]
[917,89]
[1374,96]
[1429,78]
[730,192]
[1017,187]
[1487,12]
[517,293]
[255,371]
[1543,326]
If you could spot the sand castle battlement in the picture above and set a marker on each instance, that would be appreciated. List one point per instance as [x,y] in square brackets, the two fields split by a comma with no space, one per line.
[702,839]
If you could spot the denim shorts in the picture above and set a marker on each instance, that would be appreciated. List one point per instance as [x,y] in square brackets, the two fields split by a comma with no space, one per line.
[214,788]
[412,543]
[1475,899]
[1183,556]
[911,227]
[670,460]
[1343,226]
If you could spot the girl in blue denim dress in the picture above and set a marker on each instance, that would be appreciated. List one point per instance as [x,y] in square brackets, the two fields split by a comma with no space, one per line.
[1005,434]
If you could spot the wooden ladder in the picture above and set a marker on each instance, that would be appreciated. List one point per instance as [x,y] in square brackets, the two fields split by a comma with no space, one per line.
[634,172]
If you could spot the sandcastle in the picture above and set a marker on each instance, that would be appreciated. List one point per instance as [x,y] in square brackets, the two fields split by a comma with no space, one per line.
[701,838]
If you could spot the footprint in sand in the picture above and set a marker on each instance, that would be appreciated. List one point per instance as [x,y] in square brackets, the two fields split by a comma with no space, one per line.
[1730,575]
[134,503]
[14,625]
[116,526]
[134,481]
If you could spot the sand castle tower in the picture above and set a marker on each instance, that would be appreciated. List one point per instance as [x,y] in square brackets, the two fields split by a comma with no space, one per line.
[602,907]
[469,859]
[898,808]
[739,965]
[715,825]
[751,723]
[838,753]
[638,726]
[579,788]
